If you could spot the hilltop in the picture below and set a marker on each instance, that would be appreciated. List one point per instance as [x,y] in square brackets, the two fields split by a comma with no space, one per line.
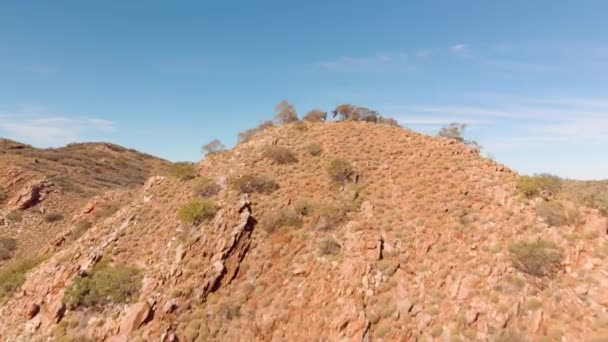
[326,231]
[42,189]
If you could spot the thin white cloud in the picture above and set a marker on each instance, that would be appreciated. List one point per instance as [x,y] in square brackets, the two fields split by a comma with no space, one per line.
[52,131]
[458,48]
[375,62]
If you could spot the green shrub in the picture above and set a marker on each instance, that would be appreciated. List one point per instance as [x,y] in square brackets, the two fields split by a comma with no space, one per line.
[205,187]
[553,213]
[281,218]
[14,216]
[12,275]
[197,210]
[532,186]
[53,217]
[314,149]
[280,155]
[116,284]
[329,246]
[183,170]
[537,258]
[340,170]
[249,184]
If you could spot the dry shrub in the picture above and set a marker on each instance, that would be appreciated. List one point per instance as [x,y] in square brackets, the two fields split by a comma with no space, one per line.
[249,184]
[280,155]
[315,115]
[554,214]
[314,149]
[538,258]
[282,218]
[14,216]
[214,146]
[250,133]
[340,170]
[53,217]
[205,187]
[7,245]
[286,113]
[329,246]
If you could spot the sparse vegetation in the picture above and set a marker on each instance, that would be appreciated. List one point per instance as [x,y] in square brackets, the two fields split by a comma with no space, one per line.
[53,217]
[107,210]
[533,186]
[286,113]
[7,246]
[280,155]
[197,211]
[107,284]
[315,115]
[329,246]
[340,170]
[314,149]
[250,133]
[14,216]
[205,187]
[553,212]
[455,131]
[183,170]
[537,258]
[214,146]
[249,184]
[592,194]
[303,207]
[80,229]
[12,275]
[281,218]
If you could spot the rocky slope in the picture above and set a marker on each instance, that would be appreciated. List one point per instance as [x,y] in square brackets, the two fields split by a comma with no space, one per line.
[417,242]
[42,189]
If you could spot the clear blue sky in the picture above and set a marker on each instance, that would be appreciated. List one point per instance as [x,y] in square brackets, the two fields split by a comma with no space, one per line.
[530,77]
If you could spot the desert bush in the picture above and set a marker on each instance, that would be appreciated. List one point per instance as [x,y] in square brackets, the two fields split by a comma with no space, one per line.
[390,122]
[183,170]
[303,207]
[14,216]
[214,146]
[250,133]
[80,229]
[455,131]
[2,195]
[197,210]
[285,113]
[314,149]
[331,214]
[205,187]
[329,246]
[53,217]
[553,213]
[116,284]
[107,210]
[12,275]
[315,115]
[249,184]
[537,258]
[280,155]
[282,218]
[5,254]
[340,170]
[8,243]
[532,186]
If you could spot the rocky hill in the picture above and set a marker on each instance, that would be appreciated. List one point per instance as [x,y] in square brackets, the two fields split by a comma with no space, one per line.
[42,189]
[324,231]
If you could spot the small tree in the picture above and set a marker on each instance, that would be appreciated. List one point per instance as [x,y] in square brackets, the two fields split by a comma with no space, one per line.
[286,113]
[315,115]
[455,131]
[345,112]
[214,146]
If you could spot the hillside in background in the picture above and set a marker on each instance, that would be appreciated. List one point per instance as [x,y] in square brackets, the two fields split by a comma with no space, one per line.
[313,231]
[42,190]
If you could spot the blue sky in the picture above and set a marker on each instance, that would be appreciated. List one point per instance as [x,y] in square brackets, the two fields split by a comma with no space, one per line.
[530,77]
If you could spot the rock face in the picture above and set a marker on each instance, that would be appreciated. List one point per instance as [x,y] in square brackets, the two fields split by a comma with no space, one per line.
[417,249]
[34,193]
